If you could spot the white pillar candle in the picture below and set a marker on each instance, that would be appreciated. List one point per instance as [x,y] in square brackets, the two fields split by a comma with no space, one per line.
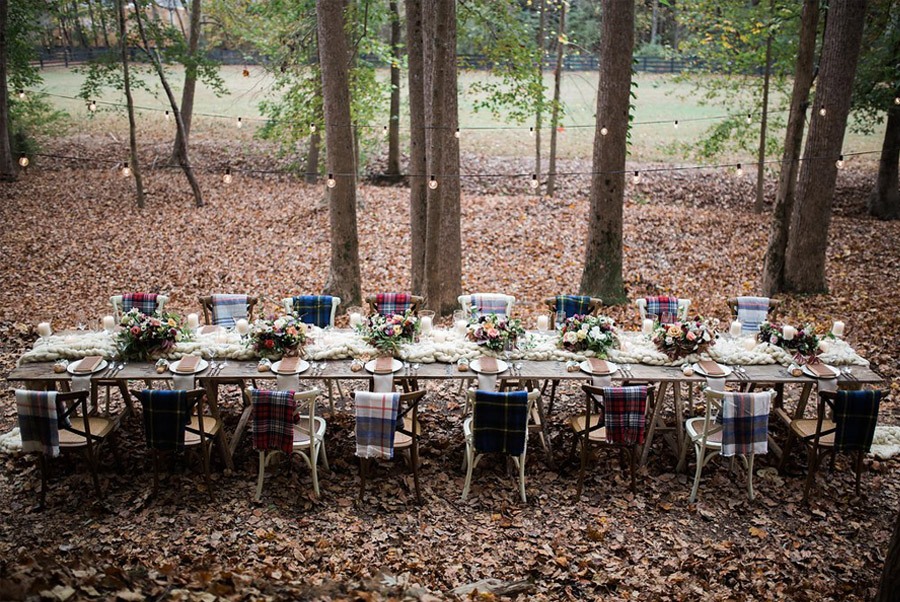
[838,329]
[439,336]
[193,321]
[461,327]
[355,319]
[749,344]
[425,325]
[109,324]
[43,329]
[824,346]
[788,333]
[647,326]
[242,326]
[221,338]
[543,323]
[735,329]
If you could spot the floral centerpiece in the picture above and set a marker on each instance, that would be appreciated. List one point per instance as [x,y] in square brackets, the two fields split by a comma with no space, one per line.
[494,331]
[145,336]
[594,333]
[278,337]
[683,338]
[387,333]
[803,343]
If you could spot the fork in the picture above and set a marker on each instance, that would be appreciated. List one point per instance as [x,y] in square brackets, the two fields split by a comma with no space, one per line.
[848,373]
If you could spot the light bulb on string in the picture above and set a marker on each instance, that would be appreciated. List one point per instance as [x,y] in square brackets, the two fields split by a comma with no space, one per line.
[240,122]
[330,182]
[385,129]
[92,106]
[897,100]
[21,94]
[432,183]
[822,111]
[739,172]
[676,124]
[168,116]
[840,162]
[534,181]
[637,177]
[126,171]
[531,131]
[312,128]
[23,161]
[604,131]
[227,177]
[749,118]
[456,134]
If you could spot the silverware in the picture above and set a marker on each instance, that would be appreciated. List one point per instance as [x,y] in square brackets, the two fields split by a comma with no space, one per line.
[848,373]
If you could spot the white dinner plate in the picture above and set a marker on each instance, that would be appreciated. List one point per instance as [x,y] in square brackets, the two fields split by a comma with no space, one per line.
[809,372]
[395,365]
[586,367]
[302,366]
[201,366]
[476,367]
[72,365]
[726,369]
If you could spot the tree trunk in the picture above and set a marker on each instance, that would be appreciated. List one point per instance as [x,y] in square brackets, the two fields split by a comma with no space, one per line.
[602,276]
[95,36]
[884,203]
[804,269]
[554,115]
[763,124]
[539,98]
[102,10]
[190,86]
[79,31]
[417,164]
[183,159]
[654,22]
[889,589]
[8,166]
[393,163]
[443,247]
[312,158]
[344,273]
[129,102]
[773,269]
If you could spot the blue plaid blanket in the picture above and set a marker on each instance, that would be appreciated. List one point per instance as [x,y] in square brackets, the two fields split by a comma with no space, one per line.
[144,302]
[314,309]
[38,422]
[376,422]
[745,423]
[625,410]
[488,304]
[665,308]
[855,414]
[388,304]
[751,312]
[273,420]
[573,305]
[166,414]
[228,309]
[499,422]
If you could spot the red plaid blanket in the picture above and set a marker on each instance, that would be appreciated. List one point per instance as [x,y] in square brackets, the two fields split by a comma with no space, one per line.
[624,414]
[273,420]
[388,304]
[665,308]
[144,302]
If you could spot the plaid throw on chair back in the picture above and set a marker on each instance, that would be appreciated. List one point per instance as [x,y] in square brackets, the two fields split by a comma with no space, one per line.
[855,414]
[751,312]
[38,423]
[665,308]
[573,305]
[273,420]
[489,304]
[499,422]
[624,414]
[144,302]
[166,414]
[314,309]
[388,304]
[228,309]
[745,423]
[376,422]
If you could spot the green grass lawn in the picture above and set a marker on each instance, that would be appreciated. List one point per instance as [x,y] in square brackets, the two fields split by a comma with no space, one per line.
[659,99]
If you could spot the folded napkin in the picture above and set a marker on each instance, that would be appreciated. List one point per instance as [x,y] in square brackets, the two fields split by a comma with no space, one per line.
[289,365]
[487,382]
[187,364]
[600,372]
[715,374]
[288,382]
[87,365]
[827,377]
[183,382]
[80,382]
[384,365]
[383,375]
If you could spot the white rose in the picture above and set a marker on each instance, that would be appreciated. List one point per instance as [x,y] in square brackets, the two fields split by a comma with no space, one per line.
[279,323]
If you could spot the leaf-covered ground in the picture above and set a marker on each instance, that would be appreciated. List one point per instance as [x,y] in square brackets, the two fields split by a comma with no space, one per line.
[73,237]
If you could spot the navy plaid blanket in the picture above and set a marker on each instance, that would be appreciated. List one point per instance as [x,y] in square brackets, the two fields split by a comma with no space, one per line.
[573,305]
[499,422]
[388,304]
[665,308]
[376,422]
[855,414]
[273,420]
[38,425]
[625,411]
[314,309]
[745,423]
[166,414]
[489,304]
[144,302]
[228,309]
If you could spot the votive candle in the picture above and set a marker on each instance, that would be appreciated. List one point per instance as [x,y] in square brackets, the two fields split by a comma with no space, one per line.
[193,321]
[109,324]
[242,326]
[43,329]
[749,344]
[735,329]
[355,319]
[543,323]
[461,327]
[425,325]
[647,326]
[788,333]
[838,329]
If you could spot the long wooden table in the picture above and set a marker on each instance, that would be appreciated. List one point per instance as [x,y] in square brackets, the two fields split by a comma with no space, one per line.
[41,375]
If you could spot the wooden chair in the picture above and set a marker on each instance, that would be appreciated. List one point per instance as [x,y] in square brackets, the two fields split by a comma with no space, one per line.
[118,307]
[315,317]
[180,413]
[209,316]
[748,327]
[479,304]
[406,438]
[308,437]
[592,427]
[471,424]
[849,428]
[681,314]
[57,421]
[394,303]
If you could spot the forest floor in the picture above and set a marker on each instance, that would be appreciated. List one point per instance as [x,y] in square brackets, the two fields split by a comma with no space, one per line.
[72,237]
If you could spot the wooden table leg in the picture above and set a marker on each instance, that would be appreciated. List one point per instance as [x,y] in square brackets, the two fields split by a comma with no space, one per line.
[548,444]
[654,416]
[212,397]
[681,448]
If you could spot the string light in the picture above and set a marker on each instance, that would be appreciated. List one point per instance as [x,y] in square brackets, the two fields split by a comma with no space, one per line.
[531,131]
[676,124]
[168,116]
[534,181]
[897,100]
[21,94]
[385,129]
[456,134]
[749,118]
[126,171]
[637,177]
[330,181]
[604,131]
[740,171]
[92,106]
[432,183]
[227,177]
[240,123]
[23,161]
[822,111]
[312,128]
[840,162]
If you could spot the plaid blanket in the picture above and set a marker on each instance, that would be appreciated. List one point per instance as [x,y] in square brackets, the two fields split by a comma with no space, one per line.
[488,304]
[228,309]
[376,422]
[388,304]
[499,422]
[166,414]
[38,424]
[314,309]
[625,411]
[665,308]
[751,312]
[145,302]
[855,413]
[573,305]
[745,423]
[273,420]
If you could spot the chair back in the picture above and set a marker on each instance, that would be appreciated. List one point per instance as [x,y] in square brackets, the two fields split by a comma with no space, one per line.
[500,420]
[745,422]
[855,415]
[666,309]
[147,303]
[623,412]
[711,421]
[480,304]
[41,414]
[167,414]
[573,305]
[225,310]
[274,414]
[387,304]
[318,310]
[751,311]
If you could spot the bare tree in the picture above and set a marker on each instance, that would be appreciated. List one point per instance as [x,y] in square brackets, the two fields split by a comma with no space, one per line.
[764,120]
[190,86]
[393,163]
[539,91]
[889,589]
[8,169]
[554,114]
[129,103]
[417,143]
